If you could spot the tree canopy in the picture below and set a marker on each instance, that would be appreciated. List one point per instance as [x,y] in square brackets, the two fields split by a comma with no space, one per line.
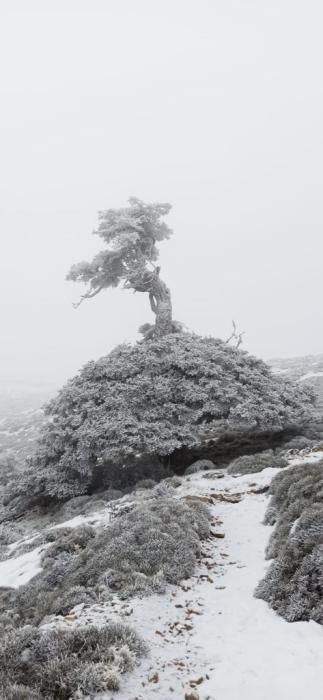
[131,235]
[149,400]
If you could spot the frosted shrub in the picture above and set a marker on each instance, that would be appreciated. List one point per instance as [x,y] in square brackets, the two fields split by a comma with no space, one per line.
[299,442]
[124,415]
[291,491]
[61,665]
[199,466]
[293,583]
[250,464]
[145,484]
[157,542]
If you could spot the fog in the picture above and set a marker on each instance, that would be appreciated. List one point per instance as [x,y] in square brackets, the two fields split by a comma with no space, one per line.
[213,106]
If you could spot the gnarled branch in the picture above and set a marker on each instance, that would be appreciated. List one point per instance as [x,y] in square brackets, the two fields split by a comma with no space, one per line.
[88,295]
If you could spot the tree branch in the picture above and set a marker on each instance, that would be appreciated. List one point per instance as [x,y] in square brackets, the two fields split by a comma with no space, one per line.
[153,304]
[88,295]
[235,336]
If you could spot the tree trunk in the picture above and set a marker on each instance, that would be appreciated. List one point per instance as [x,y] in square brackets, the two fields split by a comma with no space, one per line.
[161,305]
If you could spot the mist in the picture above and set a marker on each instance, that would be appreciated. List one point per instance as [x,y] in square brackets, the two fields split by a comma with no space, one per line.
[215,107]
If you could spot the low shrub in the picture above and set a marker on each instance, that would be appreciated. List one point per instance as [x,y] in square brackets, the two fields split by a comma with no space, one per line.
[250,464]
[293,584]
[145,484]
[199,466]
[156,542]
[299,442]
[62,665]
[10,532]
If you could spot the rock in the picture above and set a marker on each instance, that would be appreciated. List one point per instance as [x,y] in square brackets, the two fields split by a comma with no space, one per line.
[233,498]
[154,678]
[197,682]
[213,475]
[192,695]
[262,489]
[204,499]
[218,535]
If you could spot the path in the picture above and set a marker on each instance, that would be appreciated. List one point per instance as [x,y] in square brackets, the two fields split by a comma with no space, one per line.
[215,632]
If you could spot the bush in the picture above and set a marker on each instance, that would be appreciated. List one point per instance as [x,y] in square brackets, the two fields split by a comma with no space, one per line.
[250,464]
[146,484]
[113,423]
[293,583]
[199,466]
[10,532]
[299,442]
[157,542]
[61,665]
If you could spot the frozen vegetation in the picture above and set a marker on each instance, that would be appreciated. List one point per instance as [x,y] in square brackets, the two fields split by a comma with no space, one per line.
[293,583]
[143,502]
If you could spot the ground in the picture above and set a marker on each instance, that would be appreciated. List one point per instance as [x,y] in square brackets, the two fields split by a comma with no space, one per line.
[210,636]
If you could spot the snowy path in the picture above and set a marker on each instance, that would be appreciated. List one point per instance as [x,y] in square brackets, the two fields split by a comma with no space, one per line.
[238,648]
[210,636]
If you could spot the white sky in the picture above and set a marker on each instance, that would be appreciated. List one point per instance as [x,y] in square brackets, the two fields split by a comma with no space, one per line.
[213,106]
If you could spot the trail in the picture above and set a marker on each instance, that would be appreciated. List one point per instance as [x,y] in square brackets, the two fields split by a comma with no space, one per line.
[209,636]
[234,647]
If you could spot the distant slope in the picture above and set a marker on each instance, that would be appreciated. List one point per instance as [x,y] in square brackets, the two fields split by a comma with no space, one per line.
[308,369]
[21,416]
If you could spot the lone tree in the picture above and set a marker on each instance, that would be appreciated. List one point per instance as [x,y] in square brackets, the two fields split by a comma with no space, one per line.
[161,403]
[131,235]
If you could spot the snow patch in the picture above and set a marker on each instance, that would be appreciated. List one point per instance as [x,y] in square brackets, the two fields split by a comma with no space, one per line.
[310,375]
[18,571]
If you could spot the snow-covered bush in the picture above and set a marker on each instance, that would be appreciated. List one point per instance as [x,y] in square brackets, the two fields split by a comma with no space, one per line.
[10,532]
[126,414]
[146,484]
[293,490]
[60,665]
[250,464]
[199,466]
[299,442]
[157,542]
[293,583]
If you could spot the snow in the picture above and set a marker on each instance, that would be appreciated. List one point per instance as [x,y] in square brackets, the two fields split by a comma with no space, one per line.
[17,571]
[15,545]
[310,375]
[97,518]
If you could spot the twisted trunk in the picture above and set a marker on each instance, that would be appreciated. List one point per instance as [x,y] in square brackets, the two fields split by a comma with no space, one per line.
[150,283]
[161,305]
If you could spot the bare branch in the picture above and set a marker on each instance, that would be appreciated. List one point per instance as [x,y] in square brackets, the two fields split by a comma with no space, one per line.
[88,295]
[153,303]
[235,336]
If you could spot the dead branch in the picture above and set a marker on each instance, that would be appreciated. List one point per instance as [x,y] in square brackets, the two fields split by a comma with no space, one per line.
[237,337]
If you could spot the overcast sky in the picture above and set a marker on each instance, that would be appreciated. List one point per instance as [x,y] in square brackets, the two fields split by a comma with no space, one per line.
[215,106]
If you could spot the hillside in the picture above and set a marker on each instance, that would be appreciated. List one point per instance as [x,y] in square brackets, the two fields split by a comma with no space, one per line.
[307,370]
[208,637]
[21,417]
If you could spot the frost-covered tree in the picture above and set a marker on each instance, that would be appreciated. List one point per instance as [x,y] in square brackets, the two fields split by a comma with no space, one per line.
[146,403]
[131,235]
[160,402]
